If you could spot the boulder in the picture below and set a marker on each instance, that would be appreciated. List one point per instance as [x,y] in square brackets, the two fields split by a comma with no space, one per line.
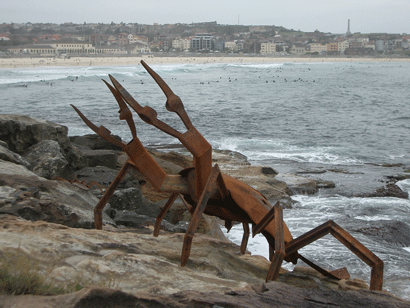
[7,155]
[131,199]
[46,160]
[102,175]
[106,158]
[95,142]
[21,132]
[24,193]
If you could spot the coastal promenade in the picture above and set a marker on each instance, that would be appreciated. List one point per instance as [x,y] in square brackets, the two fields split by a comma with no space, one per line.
[107,61]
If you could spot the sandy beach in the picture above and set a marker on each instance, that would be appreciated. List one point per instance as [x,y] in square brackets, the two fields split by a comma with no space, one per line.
[108,61]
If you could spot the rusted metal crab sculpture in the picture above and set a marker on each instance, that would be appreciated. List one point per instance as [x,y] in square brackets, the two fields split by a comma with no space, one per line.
[204,189]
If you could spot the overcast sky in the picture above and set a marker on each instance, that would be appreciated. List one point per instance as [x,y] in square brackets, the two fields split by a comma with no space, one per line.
[366,16]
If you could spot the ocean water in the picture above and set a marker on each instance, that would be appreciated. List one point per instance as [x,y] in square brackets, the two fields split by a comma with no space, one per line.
[350,116]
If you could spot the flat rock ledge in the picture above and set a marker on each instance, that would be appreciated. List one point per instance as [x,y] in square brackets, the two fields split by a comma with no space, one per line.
[131,268]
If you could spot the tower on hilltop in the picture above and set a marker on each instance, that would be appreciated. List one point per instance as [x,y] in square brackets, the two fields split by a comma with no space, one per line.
[348,27]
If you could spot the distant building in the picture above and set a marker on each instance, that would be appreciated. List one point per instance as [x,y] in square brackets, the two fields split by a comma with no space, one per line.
[203,41]
[108,50]
[37,49]
[341,47]
[231,46]
[220,46]
[268,48]
[319,48]
[298,49]
[379,45]
[4,37]
[332,48]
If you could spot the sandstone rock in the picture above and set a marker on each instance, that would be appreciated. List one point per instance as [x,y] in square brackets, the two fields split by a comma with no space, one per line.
[264,181]
[184,161]
[46,160]
[143,271]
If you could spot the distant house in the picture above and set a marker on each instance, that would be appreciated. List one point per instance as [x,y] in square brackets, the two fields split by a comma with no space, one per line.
[4,37]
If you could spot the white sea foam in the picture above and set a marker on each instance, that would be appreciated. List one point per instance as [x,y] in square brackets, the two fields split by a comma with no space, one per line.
[265,149]
[404,185]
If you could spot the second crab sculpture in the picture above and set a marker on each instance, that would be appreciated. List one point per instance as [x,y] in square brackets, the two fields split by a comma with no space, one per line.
[205,190]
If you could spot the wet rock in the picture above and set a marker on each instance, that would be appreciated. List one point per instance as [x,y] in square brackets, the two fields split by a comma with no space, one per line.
[95,142]
[46,160]
[325,184]
[298,185]
[7,155]
[269,170]
[392,231]
[390,190]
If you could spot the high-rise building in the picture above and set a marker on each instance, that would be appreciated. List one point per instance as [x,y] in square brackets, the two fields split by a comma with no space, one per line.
[202,41]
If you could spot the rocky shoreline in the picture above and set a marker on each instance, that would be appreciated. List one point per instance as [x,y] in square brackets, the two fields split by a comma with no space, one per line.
[46,213]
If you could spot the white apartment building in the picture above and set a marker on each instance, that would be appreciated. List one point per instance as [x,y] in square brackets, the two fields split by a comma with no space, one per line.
[317,47]
[181,44]
[268,48]
[341,47]
[231,46]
